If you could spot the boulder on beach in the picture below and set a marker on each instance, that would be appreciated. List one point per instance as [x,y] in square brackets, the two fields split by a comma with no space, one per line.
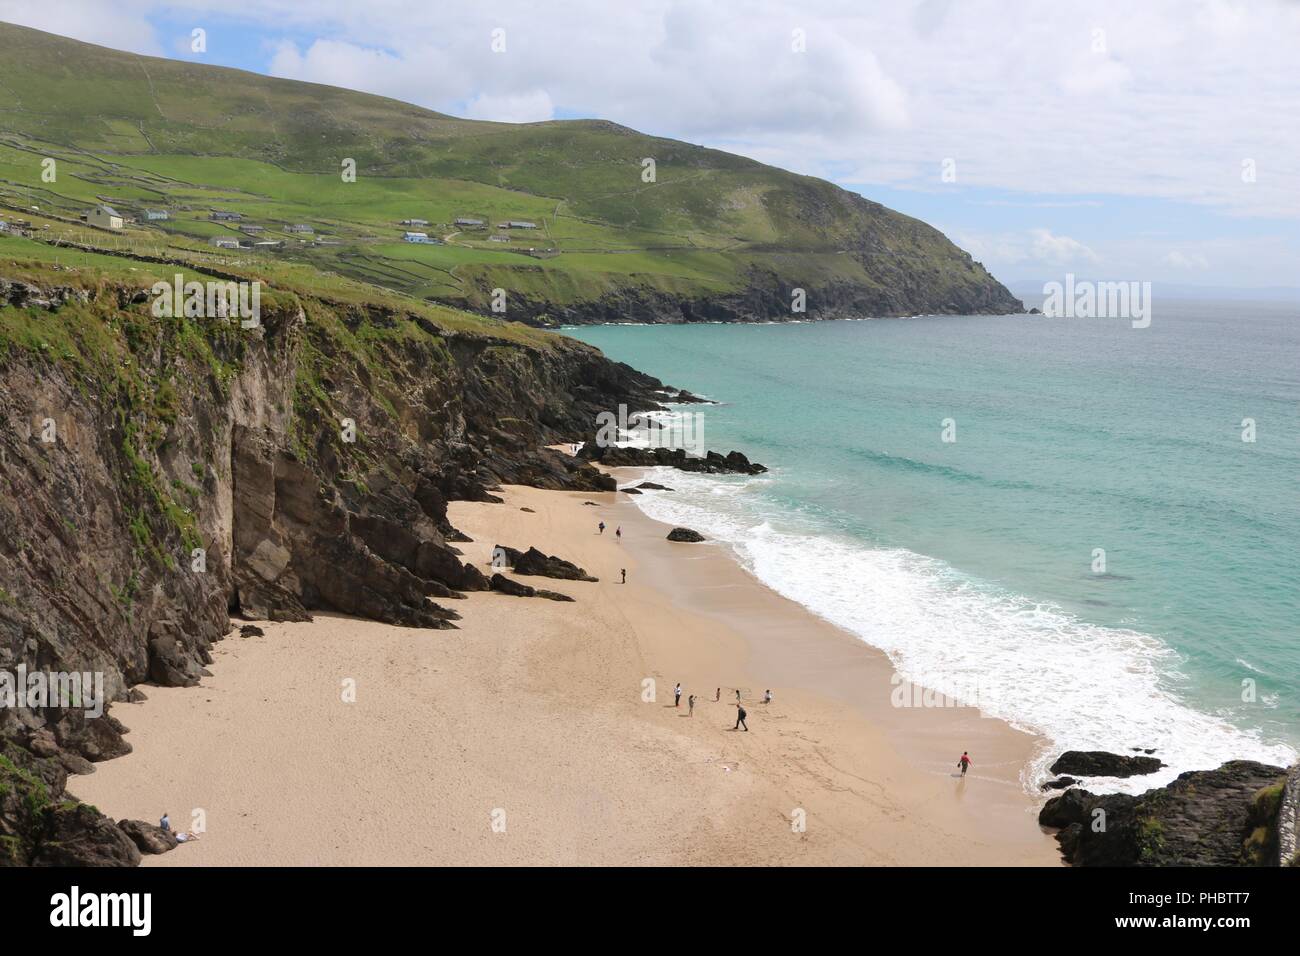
[147,837]
[540,564]
[506,585]
[684,534]
[651,486]
[1099,763]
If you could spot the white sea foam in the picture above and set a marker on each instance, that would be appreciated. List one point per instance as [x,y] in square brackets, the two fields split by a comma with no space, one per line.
[1080,685]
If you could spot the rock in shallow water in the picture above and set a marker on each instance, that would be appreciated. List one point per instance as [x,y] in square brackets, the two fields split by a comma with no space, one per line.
[1099,763]
[684,534]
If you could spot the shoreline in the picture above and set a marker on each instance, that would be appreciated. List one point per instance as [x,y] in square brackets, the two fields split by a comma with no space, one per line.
[534,708]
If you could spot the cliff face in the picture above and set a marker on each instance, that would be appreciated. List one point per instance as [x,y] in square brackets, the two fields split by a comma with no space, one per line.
[767,297]
[159,475]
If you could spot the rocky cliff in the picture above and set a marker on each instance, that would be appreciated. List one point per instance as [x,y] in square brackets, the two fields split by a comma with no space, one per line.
[162,474]
[1225,817]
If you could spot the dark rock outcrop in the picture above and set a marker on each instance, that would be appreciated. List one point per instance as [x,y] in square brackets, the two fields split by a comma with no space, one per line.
[685,534]
[537,563]
[1099,763]
[712,463]
[147,837]
[650,486]
[41,824]
[1223,817]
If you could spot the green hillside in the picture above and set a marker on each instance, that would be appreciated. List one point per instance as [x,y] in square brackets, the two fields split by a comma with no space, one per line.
[714,236]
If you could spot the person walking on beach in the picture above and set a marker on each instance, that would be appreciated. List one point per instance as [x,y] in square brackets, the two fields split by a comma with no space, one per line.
[690,706]
[623,571]
[618,533]
[740,719]
[737,695]
[677,694]
[601,526]
[964,762]
[717,695]
[767,697]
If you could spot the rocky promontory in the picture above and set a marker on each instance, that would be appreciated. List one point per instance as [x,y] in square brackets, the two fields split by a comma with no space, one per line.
[1232,816]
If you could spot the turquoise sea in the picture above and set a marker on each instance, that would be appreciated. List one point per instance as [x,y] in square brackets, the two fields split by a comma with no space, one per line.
[977,563]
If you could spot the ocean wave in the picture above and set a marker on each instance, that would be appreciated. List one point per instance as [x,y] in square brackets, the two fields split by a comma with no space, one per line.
[1080,685]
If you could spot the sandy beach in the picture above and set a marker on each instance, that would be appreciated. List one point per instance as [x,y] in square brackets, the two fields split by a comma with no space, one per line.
[524,737]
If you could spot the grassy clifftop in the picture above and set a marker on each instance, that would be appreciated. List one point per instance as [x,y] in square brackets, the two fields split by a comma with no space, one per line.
[713,236]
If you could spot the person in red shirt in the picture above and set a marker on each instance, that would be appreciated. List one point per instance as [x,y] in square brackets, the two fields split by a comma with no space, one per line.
[964,762]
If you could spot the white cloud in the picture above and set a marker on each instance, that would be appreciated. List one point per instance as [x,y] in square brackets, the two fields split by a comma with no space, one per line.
[1059,249]
[1186,260]
[531,107]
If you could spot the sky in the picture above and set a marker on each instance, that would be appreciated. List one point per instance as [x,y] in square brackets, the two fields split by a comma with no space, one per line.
[1154,140]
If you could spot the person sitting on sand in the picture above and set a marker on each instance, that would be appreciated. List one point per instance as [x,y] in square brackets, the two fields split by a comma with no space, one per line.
[964,762]
[184,837]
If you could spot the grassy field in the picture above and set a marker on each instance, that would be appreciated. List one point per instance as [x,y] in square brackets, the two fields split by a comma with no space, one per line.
[138,132]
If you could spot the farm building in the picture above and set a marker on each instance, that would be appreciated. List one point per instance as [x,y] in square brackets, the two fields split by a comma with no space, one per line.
[224,242]
[517,224]
[415,222]
[154,215]
[251,230]
[415,237]
[221,215]
[106,217]
[498,238]
[300,227]
[463,221]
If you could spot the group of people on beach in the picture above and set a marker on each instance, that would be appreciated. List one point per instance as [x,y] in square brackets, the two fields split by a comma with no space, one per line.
[618,535]
[741,713]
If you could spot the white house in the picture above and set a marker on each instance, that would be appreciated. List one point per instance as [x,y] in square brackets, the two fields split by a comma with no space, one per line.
[415,237]
[105,217]
[498,238]
[414,222]
[224,242]
[300,227]
[155,214]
